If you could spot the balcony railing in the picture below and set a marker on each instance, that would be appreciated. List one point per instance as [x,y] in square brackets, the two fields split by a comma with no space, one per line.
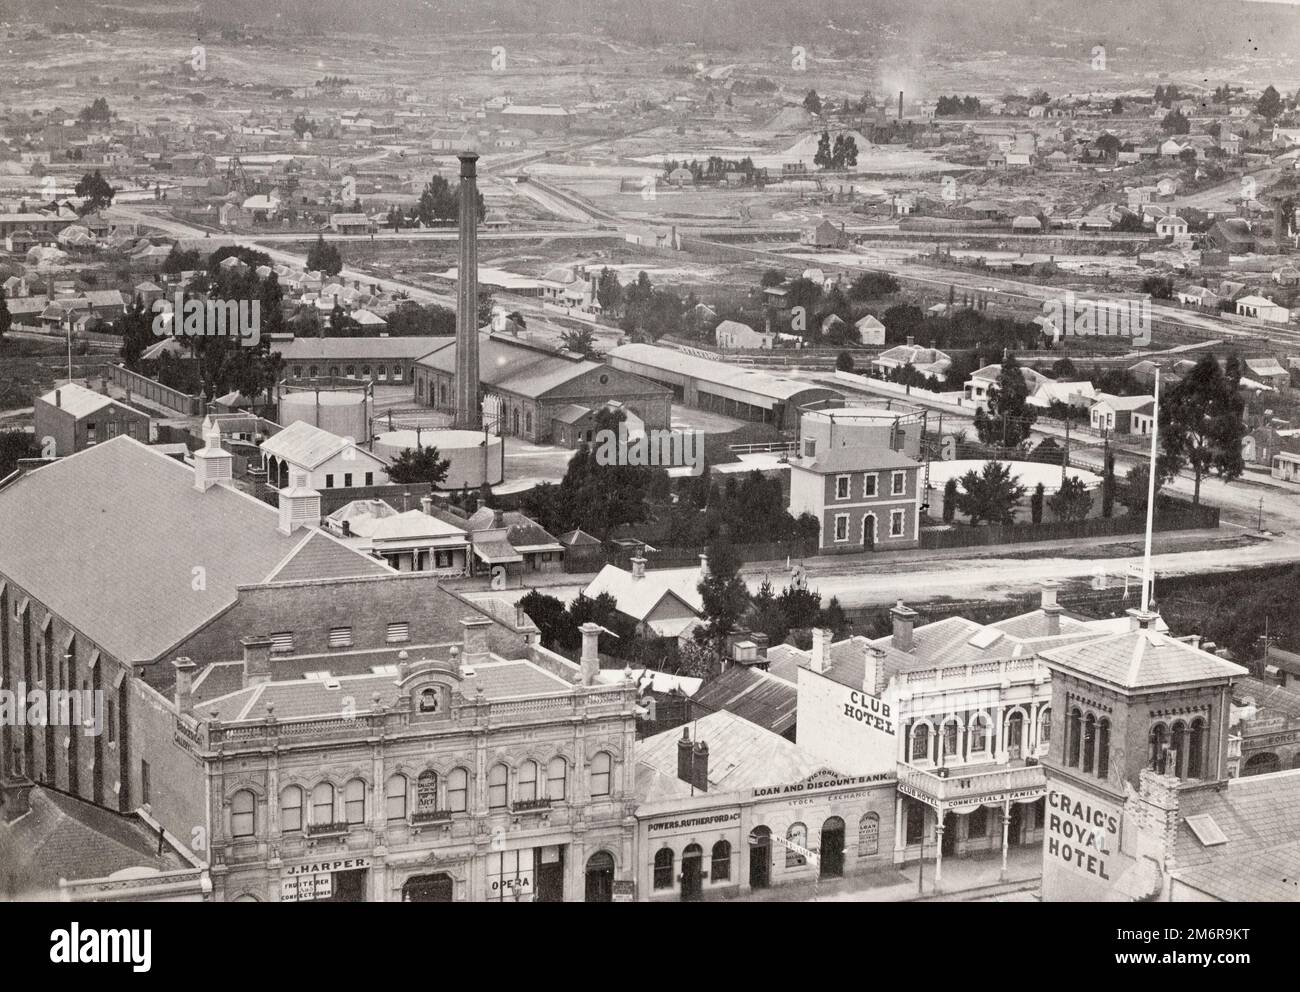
[326,829]
[984,672]
[429,816]
[530,805]
[959,785]
[210,734]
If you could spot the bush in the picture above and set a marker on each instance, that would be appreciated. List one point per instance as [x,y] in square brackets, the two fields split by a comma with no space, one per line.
[949,500]
[1036,504]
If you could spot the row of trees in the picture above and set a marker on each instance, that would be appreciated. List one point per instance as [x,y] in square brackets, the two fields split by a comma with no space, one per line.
[842,154]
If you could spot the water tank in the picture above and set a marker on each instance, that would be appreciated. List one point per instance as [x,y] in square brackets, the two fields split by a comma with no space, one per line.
[342,412]
[464,449]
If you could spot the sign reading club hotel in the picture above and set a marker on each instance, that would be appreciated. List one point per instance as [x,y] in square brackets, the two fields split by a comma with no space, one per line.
[850,728]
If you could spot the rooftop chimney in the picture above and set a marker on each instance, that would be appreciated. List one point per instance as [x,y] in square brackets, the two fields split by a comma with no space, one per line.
[257,660]
[904,620]
[685,756]
[299,504]
[468,414]
[475,632]
[700,766]
[426,505]
[638,567]
[58,398]
[184,684]
[873,669]
[213,464]
[1051,609]
[704,566]
[590,657]
[821,650]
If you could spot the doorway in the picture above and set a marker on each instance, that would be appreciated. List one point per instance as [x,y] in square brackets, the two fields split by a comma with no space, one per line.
[949,835]
[350,886]
[1014,824]
[692,872]
[428,888]
[869,532]
[550,874]
[600,877]
[832,852]
[760,858]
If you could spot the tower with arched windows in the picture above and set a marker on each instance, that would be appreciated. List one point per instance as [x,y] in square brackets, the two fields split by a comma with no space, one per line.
[1139,700]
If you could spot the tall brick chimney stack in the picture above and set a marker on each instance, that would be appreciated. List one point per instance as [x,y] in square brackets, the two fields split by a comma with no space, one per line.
[468,414]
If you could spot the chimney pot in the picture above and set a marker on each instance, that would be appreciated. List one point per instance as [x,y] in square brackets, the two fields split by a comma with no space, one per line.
[700,766]
[184,684]
[590,657]
[685,756]
[821,650]
[904,620]
[638,567]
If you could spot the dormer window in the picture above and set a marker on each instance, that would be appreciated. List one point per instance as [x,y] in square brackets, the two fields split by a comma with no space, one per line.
[429,700]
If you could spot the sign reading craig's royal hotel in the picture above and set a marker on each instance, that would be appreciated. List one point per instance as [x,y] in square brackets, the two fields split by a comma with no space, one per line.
[1081,856]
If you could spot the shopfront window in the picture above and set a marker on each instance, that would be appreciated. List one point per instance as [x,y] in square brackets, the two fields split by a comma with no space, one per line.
[868,835]
[720,862]
[797,834]
[664,868]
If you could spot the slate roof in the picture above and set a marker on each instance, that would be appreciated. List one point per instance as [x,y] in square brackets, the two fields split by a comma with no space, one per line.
[1142,659]
[521,531]
[108,539]
[854,458]
[322,556]
[1270,699]
[304,444]
[742,756]
[77,400]
[323,349]
[65,837]
[1260,816]
[767,385]
[637,597]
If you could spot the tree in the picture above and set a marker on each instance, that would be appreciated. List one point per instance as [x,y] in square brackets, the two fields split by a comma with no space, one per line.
[1063,370]
[1108,486]
[723,595]
[766,616]
[580,340]
[96,112]
[95,191]
[419,465]
[1175,123]
[844,362]
[324,257]
[991,494]
[15,445]
[949,500]
[1117,106]
[609,291]
[1108,145]
[834,619]
[1036,505]
[1159,287]
[1269,104]
[1072,501]
[1202,425]
[1010,415]
[812,103]
[135,327]
[549,614]
[6,318]
[871,285]
[771,278]
[822,158]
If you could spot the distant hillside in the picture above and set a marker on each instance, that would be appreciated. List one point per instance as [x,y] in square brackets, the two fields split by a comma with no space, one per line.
[1190,28]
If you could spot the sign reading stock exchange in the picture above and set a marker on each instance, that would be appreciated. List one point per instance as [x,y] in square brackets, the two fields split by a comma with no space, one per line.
[850,728]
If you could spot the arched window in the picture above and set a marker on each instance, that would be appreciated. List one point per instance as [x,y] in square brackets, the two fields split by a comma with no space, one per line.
[1045,725]
[526,783]
[979,734]
[354,801]
[920,742]
[868,835]
[314,371]
[1196,749]
[458,790]
[556,773]
[1089,741]
[429,700]
[426,792]
[498,776]
[720,863]
[528,421]
[1177,743]
[600,774]
[291,809]
[1072,731]
[1157,740]
[1103,748]
[322,803]
[1015,730]
[664,868]
[950,735]
[243,817]
[797,834]
[365,371]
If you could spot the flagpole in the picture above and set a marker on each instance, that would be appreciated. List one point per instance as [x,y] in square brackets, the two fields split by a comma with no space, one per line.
[1151,499]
